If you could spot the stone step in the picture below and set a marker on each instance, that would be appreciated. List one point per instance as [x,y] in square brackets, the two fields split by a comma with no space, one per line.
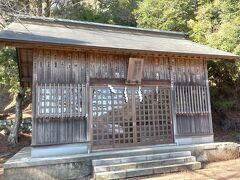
[144,164]
[147,171]
[147,157]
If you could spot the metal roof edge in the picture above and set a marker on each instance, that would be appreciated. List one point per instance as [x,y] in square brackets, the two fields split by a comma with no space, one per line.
[100,26]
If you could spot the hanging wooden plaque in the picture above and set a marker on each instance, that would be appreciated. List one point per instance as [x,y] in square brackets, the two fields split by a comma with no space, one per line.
[135,68]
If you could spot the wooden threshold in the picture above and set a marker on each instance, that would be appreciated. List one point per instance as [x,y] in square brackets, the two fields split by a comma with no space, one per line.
[58,144]
[194,135]
[133,147]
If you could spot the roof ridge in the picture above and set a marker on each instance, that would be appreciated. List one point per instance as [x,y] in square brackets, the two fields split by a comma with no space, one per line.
[175,34]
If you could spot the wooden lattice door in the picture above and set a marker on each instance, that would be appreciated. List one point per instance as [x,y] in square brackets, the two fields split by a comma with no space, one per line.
[153,116]
[129,116]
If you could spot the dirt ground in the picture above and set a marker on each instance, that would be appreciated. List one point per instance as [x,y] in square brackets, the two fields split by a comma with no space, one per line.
[224,170]
[7,151]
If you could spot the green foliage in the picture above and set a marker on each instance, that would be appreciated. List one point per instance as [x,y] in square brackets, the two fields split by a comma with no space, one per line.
[120,12]
[217,24]
[165,14]
[222,99]
[216,19]
[8,69]
[222,73]
[104,11]
[77,10]
[227,38]
[224,81]
[222,105]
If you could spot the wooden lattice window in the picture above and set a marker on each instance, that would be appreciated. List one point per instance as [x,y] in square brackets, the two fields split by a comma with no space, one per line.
[56,100]
[191,99]
[135,68]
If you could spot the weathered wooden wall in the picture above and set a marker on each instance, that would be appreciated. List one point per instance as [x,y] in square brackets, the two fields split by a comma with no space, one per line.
[56,130]
[193,111]
[60,71]
[59,66]
[189,71]
[72,67]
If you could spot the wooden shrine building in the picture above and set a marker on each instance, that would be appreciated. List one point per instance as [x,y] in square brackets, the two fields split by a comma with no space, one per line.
[97,86]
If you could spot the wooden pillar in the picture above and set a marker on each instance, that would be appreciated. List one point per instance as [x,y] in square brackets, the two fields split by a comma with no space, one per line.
[173,100]
[34,96]
[88,102]
[208,98]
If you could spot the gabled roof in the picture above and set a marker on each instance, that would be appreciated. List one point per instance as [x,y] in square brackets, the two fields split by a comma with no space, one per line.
[95,35]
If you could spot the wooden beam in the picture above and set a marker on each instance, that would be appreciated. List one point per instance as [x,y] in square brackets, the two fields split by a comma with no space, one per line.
[26,79]
[96,82]
[19,67]
[160,83]
[2,45]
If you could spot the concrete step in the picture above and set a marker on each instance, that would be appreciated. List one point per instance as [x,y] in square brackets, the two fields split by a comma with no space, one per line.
[144,164]
[147,157]
[147,171]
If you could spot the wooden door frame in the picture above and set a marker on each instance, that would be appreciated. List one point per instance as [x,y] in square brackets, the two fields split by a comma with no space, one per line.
[121,83]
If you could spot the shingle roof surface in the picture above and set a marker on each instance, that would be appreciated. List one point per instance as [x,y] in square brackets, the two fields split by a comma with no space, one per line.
[86,34]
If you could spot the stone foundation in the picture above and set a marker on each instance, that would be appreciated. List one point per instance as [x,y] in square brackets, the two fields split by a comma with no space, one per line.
[59,150]
[71,170]
[23,167]
[218,152]
[194,140]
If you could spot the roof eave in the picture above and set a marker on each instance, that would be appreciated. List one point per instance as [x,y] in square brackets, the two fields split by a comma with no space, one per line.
[37,44]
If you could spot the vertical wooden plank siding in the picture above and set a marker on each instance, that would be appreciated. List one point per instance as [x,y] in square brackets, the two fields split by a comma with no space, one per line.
[191,97]
[57,73]
[61,76]
[56,76]
[156,68]
[60,118]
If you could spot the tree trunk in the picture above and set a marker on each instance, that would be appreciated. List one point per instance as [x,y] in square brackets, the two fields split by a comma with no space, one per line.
[47,8]
[39,7]
[13,136]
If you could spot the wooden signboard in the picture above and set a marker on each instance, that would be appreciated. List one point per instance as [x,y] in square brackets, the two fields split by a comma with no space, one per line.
[135,68]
